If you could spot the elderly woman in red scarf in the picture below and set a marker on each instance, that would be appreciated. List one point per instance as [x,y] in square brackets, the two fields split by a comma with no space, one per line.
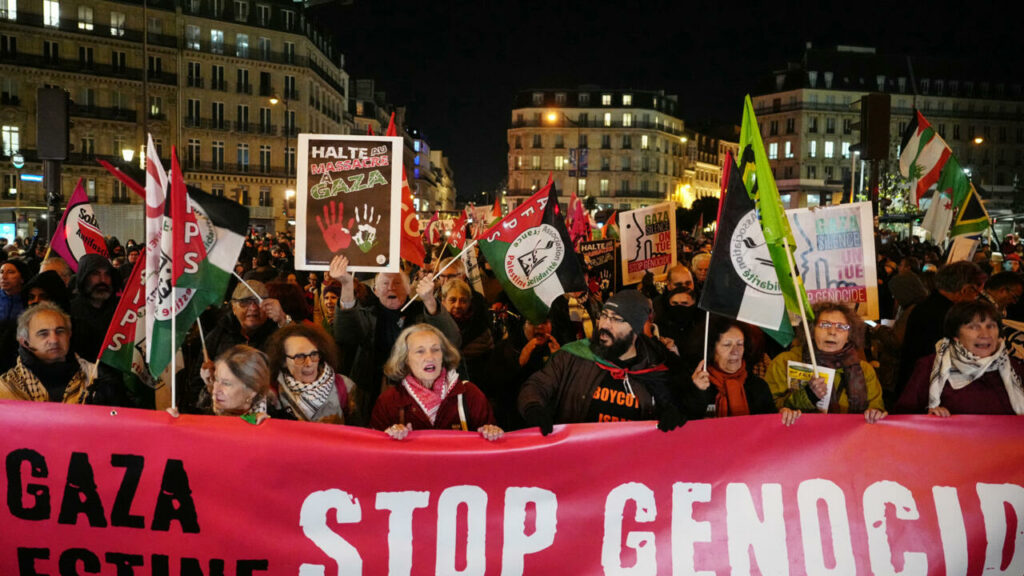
[429,393]
[726,386]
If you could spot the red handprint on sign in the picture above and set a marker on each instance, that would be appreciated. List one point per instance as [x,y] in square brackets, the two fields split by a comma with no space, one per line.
[337,236]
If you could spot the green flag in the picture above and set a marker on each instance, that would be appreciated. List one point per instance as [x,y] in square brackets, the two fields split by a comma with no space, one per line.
[970,216]
[760,185]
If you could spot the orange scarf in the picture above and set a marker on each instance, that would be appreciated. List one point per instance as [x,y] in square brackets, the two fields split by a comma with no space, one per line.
[732,396]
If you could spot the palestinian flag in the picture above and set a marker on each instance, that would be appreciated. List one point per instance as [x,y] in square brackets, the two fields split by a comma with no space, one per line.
[742,282]
[532,255]
[124,346]
[611,227]
[970,214]
[207,233]
[78,232]
[923,153]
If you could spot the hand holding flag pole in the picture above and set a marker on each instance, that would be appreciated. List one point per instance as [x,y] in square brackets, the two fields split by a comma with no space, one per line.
[438,273]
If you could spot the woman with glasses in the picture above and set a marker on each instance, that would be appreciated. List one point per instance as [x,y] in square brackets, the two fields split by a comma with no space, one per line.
[302,356]
[838,340]
[971,371]
[429,394]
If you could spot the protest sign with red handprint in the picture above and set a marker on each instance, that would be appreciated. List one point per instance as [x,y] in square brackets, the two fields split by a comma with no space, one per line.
[336,235]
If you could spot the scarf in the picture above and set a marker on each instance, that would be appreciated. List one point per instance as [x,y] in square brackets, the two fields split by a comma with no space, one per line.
[429,399]
[849,376]
[57,378]
[959,367]
[308,398]
[732,396]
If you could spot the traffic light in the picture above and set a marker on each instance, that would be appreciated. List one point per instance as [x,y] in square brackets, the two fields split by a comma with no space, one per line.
[874,126]
[52,123]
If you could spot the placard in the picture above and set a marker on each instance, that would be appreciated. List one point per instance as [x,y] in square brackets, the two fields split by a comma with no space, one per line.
[348,201]
[648,242]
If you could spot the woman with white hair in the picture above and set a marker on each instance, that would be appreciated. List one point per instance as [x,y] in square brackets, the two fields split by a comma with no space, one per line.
[429,394]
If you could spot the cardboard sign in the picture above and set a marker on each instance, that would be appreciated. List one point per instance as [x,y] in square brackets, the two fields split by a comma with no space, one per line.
[349,201]
[599,259]
[648,242]
[835,253]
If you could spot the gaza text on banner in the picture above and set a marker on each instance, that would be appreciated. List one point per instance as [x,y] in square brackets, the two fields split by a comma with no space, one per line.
[909,495]
[648,242]
[835,252]
[348,201]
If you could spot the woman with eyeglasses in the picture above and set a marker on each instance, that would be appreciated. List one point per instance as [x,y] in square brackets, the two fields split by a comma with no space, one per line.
[302,357]
[838,340]
[971,371]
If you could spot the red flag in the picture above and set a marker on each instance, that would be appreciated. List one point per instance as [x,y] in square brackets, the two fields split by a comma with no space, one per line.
[78,233]
[433,235]
[458,237]
[579,231]
[411,248]
[391,127]
[126,179]
[369,130]
[496,212]
[185,230]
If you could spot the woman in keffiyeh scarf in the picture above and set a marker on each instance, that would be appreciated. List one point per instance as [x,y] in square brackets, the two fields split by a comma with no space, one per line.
[971,371]
[302,358]
[838,340]
[429,393]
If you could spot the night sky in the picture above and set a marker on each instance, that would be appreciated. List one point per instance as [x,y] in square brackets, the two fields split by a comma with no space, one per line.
[457,65]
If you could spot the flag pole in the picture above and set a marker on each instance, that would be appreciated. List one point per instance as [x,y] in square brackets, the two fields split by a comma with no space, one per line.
[438,273]
[800,302]
[202,338]
[707,323]
[246,284]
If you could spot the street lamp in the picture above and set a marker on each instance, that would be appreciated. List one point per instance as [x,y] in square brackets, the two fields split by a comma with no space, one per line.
[127,154]
[289,196]
[580,153]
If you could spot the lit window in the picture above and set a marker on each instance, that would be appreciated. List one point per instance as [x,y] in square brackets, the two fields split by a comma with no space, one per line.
[416,174]
[773,150]
[85,18]
[829,149]
[416,145]
[604,185]
[192,37]
[627,99]
[789,149]
[416,160]
[11,140]
[845,149]
[607,119]
[117,23]
[644,143]
[535,162]
[217,41]
[242,45]
[51,13]
[814,148]
[9,9]
[606,99]
[559,162]
[627,119]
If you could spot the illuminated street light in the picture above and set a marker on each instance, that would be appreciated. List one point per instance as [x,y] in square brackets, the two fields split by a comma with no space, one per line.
[127,154]
[978,140]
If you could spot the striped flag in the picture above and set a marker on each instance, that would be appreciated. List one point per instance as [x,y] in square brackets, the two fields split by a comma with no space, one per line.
[923,153]
[532,255]
[742,282]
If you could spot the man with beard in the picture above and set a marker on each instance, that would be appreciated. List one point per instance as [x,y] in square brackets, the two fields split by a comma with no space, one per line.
[370,330]
[618,376]
[45,370]
[93,309]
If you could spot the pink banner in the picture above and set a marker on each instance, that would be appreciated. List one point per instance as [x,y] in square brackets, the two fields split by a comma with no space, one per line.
[92,490]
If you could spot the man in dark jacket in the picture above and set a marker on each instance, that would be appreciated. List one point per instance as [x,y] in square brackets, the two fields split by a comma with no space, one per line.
[620,375]
[93,309]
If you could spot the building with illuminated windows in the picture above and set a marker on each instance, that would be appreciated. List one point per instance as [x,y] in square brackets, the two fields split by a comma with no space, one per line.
[808,117]
[230,83]
[632,143]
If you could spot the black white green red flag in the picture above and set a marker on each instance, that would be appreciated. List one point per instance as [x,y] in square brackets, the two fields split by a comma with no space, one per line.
[742,282]
[532,255]
[201,238]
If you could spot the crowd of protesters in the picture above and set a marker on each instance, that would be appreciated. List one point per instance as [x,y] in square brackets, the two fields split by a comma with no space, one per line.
[341,348]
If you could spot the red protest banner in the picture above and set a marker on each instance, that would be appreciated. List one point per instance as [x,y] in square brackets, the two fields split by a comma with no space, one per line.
[123,491]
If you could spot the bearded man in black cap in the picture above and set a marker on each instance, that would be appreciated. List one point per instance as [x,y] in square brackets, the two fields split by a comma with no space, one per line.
[618,376]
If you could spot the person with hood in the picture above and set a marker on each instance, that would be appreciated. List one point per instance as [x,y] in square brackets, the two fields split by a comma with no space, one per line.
[620,375]
[13,275]
[47,286]
[92,310]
